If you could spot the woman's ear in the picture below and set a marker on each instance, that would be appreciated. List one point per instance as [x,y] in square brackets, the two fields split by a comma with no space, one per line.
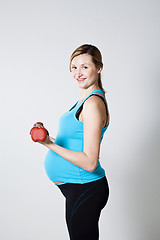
[99,70]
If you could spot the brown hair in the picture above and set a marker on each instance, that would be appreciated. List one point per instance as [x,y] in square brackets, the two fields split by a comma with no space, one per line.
[96,58]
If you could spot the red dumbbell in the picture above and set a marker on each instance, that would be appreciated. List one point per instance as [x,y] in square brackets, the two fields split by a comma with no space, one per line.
[38,132]
[38,124]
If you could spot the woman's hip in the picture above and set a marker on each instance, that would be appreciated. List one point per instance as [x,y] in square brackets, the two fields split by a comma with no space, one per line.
[79,192]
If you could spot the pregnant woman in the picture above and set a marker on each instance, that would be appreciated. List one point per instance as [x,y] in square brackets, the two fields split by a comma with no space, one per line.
[72,161]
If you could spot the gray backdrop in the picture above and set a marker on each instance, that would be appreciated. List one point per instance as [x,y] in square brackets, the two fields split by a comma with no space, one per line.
[37,38]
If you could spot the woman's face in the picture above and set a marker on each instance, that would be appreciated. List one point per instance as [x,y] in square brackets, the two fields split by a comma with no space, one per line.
[84,71]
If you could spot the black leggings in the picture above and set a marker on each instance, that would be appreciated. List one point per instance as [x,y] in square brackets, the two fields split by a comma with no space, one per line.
[84,203]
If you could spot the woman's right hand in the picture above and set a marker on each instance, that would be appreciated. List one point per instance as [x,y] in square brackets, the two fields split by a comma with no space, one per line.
[40,133]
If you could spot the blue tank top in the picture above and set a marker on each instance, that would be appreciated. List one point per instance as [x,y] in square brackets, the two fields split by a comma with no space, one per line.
[70,136]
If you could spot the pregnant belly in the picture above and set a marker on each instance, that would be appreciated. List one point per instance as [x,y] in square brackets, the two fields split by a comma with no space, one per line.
[59,169]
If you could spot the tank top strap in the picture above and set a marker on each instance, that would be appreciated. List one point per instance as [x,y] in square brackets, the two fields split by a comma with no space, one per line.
[77,106]
[94,91]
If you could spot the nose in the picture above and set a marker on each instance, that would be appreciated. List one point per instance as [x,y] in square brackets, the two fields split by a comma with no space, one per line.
[78,73]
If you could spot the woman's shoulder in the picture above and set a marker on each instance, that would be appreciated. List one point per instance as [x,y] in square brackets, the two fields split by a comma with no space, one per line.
[94,104]
[96,107]
[95,101]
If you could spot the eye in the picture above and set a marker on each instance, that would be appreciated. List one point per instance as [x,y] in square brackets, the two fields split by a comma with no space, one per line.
[85,67]
[73,67]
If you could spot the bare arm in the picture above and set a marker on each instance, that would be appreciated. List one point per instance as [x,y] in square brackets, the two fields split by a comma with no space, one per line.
[92,123]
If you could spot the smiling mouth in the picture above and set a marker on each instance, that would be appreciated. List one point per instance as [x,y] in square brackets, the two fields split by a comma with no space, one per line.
[80,79]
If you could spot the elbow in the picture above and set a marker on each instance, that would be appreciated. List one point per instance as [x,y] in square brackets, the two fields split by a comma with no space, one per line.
[91,170]
[92,167]
[92,163]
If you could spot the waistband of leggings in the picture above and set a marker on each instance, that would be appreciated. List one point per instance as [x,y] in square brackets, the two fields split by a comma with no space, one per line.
[82,184]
